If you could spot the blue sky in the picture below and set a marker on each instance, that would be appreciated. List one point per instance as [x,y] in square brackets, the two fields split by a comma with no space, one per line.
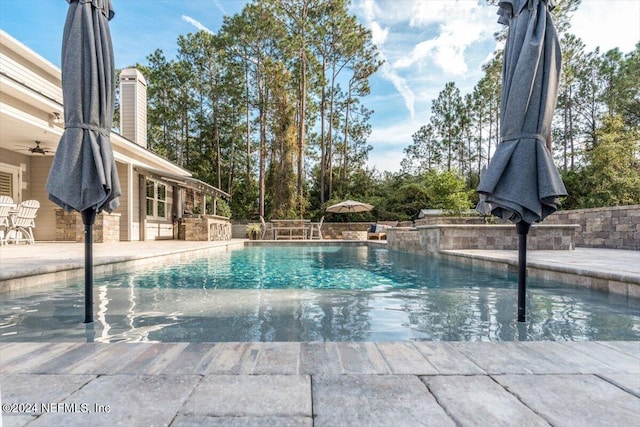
[426,43]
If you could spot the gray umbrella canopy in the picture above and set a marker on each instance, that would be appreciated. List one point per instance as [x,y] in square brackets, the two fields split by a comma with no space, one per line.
[83,175]
[349,206]
[522,183]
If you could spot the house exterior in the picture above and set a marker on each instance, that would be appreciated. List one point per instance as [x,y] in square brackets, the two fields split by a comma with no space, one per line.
[157,194]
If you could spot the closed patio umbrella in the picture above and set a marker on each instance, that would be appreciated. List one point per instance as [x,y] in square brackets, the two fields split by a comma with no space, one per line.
[522,183]
[83,176]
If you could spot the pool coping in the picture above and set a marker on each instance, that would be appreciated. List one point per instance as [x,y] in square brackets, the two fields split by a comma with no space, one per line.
[579,272]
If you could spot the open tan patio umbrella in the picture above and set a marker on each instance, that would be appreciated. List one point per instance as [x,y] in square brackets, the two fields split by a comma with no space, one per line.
[350,206]
[522,183]
[83,176]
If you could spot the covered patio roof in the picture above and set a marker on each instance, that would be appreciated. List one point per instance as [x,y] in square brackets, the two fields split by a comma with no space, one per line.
[183,181]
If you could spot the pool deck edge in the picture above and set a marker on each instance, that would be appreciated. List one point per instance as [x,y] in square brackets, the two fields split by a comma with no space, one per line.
[608,270]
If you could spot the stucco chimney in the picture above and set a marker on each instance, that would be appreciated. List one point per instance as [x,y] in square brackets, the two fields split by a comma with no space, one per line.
[133,106]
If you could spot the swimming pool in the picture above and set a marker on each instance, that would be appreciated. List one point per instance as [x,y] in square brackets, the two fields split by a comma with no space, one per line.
[317,293]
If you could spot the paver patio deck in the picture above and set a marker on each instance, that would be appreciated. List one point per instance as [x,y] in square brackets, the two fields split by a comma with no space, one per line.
[315,383]
[321,384]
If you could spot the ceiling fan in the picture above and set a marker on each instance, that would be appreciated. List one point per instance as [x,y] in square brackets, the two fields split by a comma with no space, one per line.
[38,149]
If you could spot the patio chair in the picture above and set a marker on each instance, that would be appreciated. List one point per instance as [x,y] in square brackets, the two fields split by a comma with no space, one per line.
[315,228]
[266,227]
[6,205]
[380,230]
[24,221]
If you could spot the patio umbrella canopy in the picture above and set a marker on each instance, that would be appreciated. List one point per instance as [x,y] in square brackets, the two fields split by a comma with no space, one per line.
[349,206]
[522,183]
[83,175]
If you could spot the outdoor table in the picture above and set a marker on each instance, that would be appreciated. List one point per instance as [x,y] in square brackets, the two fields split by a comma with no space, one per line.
[290,228]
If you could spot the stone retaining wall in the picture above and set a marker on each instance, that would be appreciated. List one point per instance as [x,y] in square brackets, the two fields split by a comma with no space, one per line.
[431,239]
[69,227]
[613,228]
[330,230]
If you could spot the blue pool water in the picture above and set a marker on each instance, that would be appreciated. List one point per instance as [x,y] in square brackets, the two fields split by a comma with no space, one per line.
[323,293]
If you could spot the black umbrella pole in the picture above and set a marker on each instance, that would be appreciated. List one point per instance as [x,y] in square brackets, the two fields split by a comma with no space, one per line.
[88,219]
[523,230]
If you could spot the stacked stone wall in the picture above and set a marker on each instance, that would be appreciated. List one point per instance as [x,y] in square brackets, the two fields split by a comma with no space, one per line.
[431,239]
[69,227]
[612,228]
[204,228]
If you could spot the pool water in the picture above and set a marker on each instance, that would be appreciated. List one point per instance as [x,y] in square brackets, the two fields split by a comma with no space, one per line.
[316,293]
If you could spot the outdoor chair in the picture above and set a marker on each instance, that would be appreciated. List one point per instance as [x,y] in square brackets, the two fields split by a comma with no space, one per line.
[267,227]
[379,230]
[23,222]
[315,228]
[6,205]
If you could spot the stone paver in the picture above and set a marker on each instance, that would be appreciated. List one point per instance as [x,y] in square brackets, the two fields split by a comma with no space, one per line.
[224,387]
[623,362]
[362,358]
[447,359]
[123,400]
[184,421]
[627,382]
[477,400]
[632,348]
[193,359]
[320,358]
[251,395]
[375,400]
[234,358]
[544,358]
[278,358]
[405,358]
[494,358]
[574,400]
[43,393]
[37,355]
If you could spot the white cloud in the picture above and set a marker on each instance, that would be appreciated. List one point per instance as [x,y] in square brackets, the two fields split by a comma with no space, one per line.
[379,35]
[401,86]
[398,134]
[417,37]
[608,24]
[385,160]
[196,24]
[219,6]
[458,26]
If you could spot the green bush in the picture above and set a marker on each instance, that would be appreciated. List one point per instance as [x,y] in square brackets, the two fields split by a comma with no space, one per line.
[223,208]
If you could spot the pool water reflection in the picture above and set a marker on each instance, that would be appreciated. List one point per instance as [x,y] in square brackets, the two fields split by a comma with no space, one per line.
[328,293]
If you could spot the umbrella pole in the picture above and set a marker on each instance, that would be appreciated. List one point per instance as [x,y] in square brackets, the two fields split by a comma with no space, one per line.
[522,229]
[88,219]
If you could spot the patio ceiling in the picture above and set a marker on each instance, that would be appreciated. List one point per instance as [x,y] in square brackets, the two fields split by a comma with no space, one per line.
[19,131]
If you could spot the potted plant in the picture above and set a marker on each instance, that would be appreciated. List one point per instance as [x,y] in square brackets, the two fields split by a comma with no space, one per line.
[254,230]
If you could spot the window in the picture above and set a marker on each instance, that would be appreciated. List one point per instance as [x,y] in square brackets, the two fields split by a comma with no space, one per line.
[156,199]
[10,178]
[6,184]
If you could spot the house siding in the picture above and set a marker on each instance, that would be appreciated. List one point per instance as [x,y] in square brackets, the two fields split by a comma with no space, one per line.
[46,220]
